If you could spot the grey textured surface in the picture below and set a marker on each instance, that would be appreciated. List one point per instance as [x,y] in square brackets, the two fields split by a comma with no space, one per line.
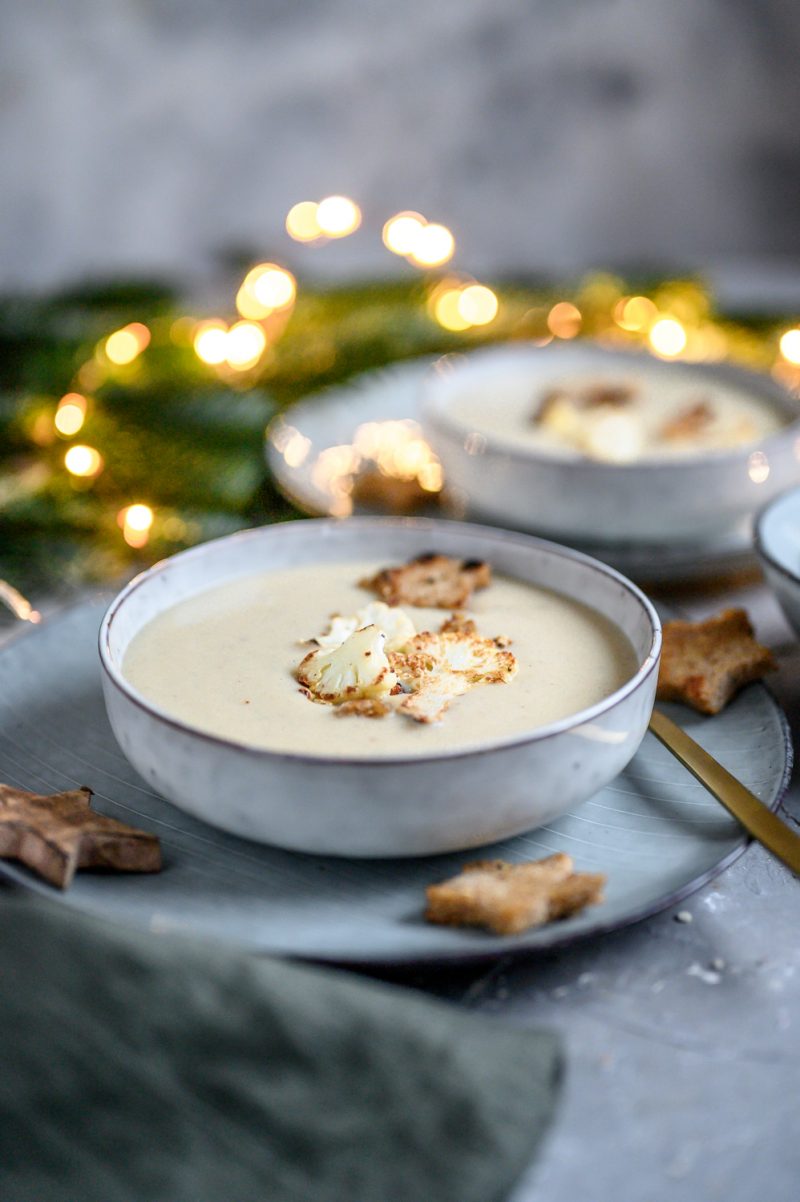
[141,136]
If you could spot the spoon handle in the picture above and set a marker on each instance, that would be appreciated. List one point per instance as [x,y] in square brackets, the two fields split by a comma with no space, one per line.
[755,817]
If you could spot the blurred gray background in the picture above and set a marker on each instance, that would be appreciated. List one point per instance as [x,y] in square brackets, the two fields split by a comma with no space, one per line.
[152,135]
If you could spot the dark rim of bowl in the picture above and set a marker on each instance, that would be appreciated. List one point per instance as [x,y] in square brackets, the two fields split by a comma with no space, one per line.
[758,536]
[646,668]
[437,414]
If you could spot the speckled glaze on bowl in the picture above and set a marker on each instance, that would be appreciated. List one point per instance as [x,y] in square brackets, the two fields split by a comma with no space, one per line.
[777,539]
[380,807]
[651,500]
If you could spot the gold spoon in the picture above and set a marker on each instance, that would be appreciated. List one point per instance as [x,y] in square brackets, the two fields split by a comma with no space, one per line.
[755,817]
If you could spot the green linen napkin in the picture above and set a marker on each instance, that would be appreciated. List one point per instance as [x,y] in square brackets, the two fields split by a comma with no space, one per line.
[138,1068]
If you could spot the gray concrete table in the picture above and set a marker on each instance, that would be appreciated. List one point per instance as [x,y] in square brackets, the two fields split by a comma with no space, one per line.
[682,1033]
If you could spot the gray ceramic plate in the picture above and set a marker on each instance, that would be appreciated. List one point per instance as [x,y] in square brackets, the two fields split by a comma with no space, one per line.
[655,832]
[393,393]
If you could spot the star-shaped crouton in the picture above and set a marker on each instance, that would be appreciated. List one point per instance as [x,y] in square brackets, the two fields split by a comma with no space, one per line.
[509,898]
[56,835]
[437,667]
[431,580]
[704,664]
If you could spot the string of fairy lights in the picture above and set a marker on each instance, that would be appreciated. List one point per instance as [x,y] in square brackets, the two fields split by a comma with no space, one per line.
[675,321]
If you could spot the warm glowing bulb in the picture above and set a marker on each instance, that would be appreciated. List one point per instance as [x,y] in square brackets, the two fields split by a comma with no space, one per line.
[338,216]
[245,344]
[265,289]
[790,346]
[71,414]
[135,521]
[302,223]
[83,461]
[447,310]
[248,306]
[564,320]
[478,305]
[139,517]
[124,345]
[211,342]
[667,337]
[274,287]
[400,232]
[634,312]
[433,245]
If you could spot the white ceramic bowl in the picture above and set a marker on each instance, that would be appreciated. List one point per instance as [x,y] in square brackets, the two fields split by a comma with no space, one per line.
[652,501]
[369,807]
[777,538]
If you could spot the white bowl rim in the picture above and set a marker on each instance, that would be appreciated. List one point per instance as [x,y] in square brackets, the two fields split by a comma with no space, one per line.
[539,734]
[760,541]
[438,413]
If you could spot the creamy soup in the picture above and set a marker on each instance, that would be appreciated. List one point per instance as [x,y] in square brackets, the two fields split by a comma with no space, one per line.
[225,661]
[618,416]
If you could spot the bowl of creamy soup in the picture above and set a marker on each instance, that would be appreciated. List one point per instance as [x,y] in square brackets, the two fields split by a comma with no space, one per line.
[379,687]
[577,441]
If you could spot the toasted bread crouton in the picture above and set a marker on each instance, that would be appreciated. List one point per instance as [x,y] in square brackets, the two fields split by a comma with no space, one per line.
[431,580]
[374,490]
[704,664]
[509,898]
[689,424]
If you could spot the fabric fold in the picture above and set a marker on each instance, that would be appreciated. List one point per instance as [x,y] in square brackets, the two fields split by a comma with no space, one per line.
[147,1068]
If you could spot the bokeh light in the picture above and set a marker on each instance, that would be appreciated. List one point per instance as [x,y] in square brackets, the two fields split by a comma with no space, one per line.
[265,289]
[478,305]
[83,461]
[790,346]
[136,521]
[211,342]
[433,246]
[564,320]
[70,414]
[400,232]
[447,311]
[274,286]
[182,330]
[245,343]
[634,313]
[758,467]
[667,337]
[338,216]
[302,223]
[124,345]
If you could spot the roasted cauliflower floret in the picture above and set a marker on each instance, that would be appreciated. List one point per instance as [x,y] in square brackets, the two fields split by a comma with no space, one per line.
[357,668]
[437,668]
[393,621]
